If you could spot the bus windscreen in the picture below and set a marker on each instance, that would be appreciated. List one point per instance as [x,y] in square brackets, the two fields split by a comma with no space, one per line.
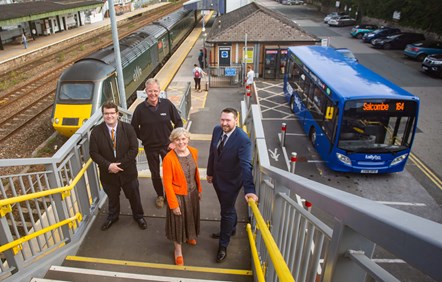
[377,126]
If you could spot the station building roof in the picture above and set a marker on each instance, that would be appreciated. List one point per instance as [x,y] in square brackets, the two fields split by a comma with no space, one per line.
[260,24]
[12,14]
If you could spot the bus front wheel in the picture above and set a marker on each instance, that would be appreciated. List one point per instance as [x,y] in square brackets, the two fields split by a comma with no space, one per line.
[292,102]
[312,136]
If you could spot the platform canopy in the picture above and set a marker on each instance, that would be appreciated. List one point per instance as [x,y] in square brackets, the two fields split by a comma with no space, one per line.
[217,5]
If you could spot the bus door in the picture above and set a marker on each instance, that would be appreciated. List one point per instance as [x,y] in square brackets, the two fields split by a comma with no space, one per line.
[270,63]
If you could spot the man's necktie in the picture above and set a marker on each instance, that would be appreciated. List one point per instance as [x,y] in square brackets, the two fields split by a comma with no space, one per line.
[221,144]
[113,138]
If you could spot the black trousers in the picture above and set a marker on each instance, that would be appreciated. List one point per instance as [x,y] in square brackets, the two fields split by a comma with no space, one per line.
[197,83]
[131,191]
[153,159]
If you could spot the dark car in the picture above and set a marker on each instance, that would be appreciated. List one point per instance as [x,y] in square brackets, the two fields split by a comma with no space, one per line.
[433,65]
[378,33]
[397,41]
[420,50]
[341,21]
[359,30]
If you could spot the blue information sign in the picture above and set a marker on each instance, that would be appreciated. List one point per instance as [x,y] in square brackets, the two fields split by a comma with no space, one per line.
[230,72]
[224,54]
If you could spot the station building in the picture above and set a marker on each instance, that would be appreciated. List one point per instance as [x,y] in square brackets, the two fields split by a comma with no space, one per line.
[253,34]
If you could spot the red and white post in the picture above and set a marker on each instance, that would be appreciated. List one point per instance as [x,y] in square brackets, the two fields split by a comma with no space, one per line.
[293,160]
[283,133]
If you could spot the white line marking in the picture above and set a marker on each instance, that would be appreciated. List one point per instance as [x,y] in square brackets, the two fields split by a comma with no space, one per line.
[402,203]
[388,261]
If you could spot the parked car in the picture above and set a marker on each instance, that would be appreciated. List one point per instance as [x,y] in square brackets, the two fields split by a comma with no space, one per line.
[295,2]
[433,65]
[341,21]
[359,30]
[378,33]
[347,54]
[420,50]
[397,41]
[332,15]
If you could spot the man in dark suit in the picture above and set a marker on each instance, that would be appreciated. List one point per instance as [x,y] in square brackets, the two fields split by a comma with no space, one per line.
[229,168]
[114,147]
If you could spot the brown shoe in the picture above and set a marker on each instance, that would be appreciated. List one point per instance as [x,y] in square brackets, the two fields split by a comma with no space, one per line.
[159,202]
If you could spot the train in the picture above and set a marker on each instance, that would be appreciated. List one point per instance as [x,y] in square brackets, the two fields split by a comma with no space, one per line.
[89,82]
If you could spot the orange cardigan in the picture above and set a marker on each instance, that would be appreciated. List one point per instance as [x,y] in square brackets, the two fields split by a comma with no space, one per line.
[174,179]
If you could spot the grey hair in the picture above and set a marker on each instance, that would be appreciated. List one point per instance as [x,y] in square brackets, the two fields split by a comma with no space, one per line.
[177,132]
[152,81]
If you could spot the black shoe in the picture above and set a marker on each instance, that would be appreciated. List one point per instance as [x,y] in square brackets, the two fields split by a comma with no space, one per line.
[141,223]
[108,223]
[216,235]
[222,254]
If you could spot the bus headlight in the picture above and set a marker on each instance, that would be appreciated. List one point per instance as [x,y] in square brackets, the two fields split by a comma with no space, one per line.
[56,120]
[346,160]
[398,159]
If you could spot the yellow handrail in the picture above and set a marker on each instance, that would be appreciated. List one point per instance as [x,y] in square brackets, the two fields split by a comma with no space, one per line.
[258,268]
[5,204]
[17,244]
[279,263]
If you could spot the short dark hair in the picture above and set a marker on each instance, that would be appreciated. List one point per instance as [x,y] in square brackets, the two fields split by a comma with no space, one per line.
[109,105]
[231,111]
[195,65]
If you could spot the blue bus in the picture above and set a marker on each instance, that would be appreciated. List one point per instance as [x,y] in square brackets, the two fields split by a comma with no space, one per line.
[356,120]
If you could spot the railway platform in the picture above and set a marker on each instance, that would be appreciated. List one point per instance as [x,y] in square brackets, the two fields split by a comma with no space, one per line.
[12,51]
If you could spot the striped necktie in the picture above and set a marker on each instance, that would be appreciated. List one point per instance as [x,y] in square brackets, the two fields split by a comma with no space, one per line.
[221,144]
[113,138]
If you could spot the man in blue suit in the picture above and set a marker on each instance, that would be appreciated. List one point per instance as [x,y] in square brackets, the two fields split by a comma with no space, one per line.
[229,168]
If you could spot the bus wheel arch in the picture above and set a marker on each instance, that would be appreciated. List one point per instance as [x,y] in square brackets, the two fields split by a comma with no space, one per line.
[312,136]
[292,102]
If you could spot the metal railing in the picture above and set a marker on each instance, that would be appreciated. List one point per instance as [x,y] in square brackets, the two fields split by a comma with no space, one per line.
[313,251]
[342,250]
[46,210]
[221,76]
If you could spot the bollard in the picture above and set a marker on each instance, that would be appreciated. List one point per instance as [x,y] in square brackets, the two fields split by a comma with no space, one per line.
[248,96]
[283,132]
[207,86]
[308,206]
[293,160]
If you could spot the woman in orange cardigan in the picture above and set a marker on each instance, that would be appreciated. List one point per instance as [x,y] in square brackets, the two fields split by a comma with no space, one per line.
[181,181]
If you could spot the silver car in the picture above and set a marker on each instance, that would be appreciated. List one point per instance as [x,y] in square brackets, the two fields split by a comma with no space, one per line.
[341,21]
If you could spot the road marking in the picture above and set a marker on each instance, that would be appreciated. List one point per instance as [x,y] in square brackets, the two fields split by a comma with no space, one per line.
[388,261]
[433,177]
[401,203]
[274,155]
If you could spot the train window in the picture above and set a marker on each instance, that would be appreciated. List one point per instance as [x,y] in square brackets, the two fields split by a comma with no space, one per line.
[76,91]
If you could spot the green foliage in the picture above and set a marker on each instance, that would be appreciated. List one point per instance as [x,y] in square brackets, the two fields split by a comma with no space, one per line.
[422,14]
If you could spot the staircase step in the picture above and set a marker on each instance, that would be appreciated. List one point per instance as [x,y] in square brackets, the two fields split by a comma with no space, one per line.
[118,275]
[47,280]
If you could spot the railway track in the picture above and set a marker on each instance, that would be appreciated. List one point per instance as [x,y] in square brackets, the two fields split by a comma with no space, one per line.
[30,98]
[23,118]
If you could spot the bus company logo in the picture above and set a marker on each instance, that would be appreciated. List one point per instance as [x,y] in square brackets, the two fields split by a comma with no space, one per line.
[373,157]
[137,73]
[298,103]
